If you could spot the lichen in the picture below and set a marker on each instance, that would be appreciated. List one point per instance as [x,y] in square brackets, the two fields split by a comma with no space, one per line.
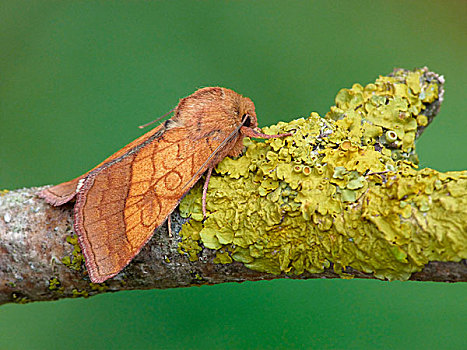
[342,191]
[79,293]
[222,257]
[99,287]
[19,298]
[76,260]
[55,285]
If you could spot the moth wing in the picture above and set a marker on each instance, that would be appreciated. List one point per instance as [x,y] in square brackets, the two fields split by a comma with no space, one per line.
[121,203]
[66,191]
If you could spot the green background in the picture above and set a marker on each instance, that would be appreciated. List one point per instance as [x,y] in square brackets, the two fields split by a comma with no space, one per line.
[77,78]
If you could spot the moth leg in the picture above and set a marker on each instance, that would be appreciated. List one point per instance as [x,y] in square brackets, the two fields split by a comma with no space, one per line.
[169,225]
[205,191]
[250,132]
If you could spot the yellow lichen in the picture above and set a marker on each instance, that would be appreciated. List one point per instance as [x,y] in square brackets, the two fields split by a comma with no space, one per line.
[99,287]
[79,293]
[19,298]
[222,257]
[55,285]
[342,190]
[76,260]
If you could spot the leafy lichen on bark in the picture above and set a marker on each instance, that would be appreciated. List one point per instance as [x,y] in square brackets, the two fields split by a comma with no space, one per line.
[342,196]
[343,190]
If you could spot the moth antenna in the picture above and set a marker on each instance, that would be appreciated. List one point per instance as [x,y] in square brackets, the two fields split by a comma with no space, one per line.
[156,120]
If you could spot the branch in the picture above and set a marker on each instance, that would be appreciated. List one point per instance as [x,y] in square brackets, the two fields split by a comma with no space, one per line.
[341,198]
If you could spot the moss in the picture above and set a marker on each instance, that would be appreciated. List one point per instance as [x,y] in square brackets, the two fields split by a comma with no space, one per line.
[361,202]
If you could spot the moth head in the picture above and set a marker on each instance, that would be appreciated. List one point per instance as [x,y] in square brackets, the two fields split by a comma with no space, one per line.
[247,113]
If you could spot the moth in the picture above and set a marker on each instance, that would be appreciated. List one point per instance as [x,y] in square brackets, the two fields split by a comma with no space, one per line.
[120,202]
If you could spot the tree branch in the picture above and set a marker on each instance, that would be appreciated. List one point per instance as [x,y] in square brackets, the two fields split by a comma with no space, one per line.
[341,198]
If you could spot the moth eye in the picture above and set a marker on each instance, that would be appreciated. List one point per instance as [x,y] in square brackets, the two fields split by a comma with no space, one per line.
[246,120]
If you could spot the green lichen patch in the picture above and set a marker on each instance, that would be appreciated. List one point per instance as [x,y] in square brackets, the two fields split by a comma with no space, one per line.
[55,285]
[341,191]
[99,287]
[76,260]
[20,298]
[222,257]
[393,106]
[79,293]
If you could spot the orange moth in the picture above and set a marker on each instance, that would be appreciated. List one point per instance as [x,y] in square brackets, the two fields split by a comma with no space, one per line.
[124,199]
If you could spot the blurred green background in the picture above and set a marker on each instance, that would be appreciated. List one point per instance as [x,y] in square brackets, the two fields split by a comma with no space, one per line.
[77,78]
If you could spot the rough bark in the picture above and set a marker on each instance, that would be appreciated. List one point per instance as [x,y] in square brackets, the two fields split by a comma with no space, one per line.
[41,260]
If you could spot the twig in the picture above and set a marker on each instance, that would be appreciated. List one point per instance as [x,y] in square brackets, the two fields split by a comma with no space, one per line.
[40,258]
